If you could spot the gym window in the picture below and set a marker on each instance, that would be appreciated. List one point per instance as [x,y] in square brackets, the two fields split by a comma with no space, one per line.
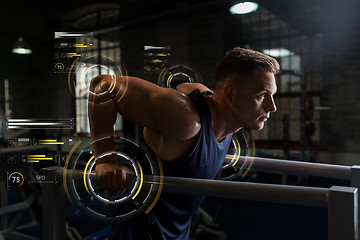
[102,50]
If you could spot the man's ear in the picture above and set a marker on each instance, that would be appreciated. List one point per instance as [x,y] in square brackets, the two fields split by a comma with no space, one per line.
[228,94]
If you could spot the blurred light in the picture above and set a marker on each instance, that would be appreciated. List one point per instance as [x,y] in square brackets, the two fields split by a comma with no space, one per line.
[21,51]
[21,47]
[278,52]
[244,8]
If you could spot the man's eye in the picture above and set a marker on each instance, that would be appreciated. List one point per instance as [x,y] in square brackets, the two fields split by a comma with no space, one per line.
[263,95]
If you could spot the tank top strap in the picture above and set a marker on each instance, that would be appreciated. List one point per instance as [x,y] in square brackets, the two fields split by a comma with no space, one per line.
[200,102]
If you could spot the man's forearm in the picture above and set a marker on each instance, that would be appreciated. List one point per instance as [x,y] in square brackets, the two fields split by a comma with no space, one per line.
[102,116]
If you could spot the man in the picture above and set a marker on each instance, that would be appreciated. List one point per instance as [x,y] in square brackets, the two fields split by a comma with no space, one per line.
[190,131]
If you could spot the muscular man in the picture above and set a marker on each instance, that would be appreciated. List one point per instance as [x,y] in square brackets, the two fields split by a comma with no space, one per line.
[189,129]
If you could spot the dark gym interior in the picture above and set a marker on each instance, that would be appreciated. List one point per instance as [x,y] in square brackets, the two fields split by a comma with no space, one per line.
[51,50]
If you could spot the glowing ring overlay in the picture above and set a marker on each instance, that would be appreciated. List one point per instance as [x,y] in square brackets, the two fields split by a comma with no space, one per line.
[171,77]
[94,65]
[84,197]
[22,178]
[236,156]
[168,74]
[240,151]
[133,191]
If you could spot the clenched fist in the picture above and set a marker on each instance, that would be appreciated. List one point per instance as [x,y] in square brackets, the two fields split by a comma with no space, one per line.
[112,176]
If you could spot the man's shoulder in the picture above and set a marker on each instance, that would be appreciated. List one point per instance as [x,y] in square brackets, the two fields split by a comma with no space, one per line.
[187,88]
[168,147]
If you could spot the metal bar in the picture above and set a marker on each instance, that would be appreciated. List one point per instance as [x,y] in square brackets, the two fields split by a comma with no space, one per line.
[298,167]
[307,196]
[54,216]
[343,213]
[341,201]
[355,182]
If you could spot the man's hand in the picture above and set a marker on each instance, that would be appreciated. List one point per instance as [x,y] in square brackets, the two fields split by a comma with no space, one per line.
[112,176]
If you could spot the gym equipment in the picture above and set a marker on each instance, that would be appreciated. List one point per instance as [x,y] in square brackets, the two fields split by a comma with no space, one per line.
[308,108]
[341,201]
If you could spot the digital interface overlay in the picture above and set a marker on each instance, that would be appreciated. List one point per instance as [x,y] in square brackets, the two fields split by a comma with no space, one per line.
[69,157]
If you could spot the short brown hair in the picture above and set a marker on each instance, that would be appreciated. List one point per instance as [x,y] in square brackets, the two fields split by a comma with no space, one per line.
[244,61]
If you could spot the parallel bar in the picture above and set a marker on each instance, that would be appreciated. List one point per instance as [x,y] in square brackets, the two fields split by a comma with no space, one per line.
[341,201]
[298,167]
[307,196]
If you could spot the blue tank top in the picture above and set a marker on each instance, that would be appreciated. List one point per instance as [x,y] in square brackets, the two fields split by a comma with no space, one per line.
[172,215]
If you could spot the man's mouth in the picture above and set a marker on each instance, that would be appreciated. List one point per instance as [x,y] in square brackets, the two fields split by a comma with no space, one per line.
[263,119]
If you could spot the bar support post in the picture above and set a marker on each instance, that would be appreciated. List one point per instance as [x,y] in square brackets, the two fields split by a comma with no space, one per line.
[343,213]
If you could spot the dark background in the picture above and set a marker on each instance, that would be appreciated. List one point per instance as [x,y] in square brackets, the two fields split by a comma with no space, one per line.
[324,33]
[199,33]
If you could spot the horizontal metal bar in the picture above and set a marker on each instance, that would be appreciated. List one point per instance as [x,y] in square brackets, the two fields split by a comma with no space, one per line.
[307,196]
[297,167]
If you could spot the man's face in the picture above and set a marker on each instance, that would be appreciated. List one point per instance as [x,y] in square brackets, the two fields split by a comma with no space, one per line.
[253,101]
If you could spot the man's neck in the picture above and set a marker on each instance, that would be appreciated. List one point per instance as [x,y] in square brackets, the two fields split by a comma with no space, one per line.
[221,117]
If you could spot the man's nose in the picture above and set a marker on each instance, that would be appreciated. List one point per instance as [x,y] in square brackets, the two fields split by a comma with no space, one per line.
[272,105]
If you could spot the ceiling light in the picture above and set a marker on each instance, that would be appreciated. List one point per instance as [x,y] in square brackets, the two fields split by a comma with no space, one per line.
[244,8]
[21,47]
[278,52]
